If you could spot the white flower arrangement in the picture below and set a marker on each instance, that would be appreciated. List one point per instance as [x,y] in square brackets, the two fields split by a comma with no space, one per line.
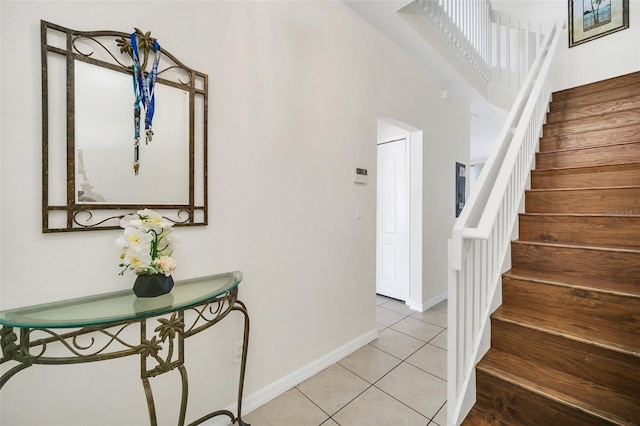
[147,244]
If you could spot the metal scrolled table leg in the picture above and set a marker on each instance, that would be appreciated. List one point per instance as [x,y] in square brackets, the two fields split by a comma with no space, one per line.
[245,346]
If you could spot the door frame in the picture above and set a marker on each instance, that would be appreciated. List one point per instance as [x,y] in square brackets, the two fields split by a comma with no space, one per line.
[415,162]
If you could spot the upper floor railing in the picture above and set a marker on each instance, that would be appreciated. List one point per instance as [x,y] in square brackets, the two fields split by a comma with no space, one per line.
[498,47]
[466,26]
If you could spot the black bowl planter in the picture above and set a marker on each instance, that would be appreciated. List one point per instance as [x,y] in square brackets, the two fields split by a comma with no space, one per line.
[152,285]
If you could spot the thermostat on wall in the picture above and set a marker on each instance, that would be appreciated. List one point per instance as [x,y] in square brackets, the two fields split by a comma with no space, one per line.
[360,176]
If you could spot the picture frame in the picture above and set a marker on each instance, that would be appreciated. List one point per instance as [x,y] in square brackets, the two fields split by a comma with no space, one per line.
[592,19]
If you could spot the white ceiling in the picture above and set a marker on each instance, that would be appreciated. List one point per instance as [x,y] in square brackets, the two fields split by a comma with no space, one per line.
[487,121]
[397,20]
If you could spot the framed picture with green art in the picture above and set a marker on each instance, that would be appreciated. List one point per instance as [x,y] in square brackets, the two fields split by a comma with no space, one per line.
[591,19]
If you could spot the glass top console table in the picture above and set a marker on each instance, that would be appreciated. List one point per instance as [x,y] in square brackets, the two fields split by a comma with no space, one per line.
[92,328]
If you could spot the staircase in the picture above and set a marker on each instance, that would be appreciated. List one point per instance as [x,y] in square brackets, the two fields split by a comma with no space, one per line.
[565,344]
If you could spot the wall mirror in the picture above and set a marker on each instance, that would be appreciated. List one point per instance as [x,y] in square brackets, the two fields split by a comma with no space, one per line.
[93,171]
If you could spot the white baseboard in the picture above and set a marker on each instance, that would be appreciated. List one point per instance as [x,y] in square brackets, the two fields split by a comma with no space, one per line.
[422,307]
[414,306]
[280,386]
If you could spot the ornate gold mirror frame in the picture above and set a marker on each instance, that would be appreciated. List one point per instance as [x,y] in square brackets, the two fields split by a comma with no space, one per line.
[88,137]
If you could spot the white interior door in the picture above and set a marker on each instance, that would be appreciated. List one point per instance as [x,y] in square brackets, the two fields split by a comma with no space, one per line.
[392,277]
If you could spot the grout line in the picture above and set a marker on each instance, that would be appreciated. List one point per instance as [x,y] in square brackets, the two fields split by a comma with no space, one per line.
[429,419]
[420,340]
[314,403]
[353,399]
[428,322]
[401,361]
[405,404]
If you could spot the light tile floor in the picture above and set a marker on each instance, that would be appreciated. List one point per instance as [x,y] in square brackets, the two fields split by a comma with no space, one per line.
[398,379]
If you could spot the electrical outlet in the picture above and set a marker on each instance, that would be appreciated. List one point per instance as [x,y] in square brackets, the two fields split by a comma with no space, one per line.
[237,352]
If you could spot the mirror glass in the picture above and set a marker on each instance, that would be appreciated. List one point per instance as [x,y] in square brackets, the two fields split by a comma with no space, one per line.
[88,133]
[104,138]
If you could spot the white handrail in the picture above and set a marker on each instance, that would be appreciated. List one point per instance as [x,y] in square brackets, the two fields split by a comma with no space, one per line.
[482,233]
[529,90]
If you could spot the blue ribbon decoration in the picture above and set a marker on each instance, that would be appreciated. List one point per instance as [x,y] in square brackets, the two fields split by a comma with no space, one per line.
[144,92]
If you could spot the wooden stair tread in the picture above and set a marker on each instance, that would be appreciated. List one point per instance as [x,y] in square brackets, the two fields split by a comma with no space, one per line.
[549,324]
[614,270]
[617,200]
[578,112]
[598,86]
[519,275]
[595,399]
[603,137]
[507,404]
[594,230]
[584,189]
[605,179]
[610,368]
[633,165]
[585,125]
[613,319]
[586,100]
[600,247]
[628,152]
[610,284]
[577,149]
[597,333]
[586,246]
[584,215]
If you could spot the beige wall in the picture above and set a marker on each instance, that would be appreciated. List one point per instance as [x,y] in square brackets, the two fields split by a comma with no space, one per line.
[295,91]
[599,59]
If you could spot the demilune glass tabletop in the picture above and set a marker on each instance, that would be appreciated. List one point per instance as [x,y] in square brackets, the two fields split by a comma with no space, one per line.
[120,305]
